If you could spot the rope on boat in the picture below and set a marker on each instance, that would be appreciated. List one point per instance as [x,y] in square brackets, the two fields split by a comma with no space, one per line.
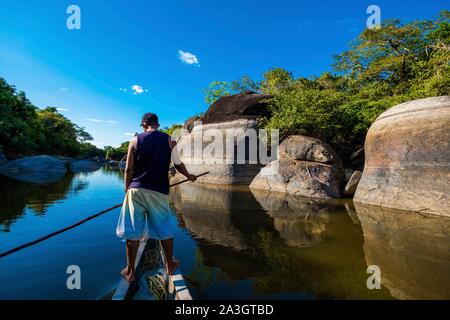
[29,244]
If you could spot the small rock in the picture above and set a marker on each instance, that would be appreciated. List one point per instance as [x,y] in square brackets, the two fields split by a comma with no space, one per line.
[84,166]
[352,184]
[348,172]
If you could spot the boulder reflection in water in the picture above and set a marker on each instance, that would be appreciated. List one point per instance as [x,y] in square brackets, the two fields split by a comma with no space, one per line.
[412,250]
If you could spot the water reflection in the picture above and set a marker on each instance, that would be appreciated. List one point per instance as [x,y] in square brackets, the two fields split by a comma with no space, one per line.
[286,245]
[17,196]
[235,243]
[411,249]
[221,215]
[301,222]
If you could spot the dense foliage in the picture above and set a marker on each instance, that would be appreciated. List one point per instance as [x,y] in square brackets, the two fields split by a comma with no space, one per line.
[172,128]
[117,153]
[26,129]
[383,67]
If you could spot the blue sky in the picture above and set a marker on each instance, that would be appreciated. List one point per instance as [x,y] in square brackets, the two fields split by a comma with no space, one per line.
[123,43]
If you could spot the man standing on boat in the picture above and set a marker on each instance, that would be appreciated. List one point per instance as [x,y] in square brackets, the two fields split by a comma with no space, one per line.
[146,210]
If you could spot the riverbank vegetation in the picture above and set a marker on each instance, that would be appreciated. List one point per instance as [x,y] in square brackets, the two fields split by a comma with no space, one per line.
[382,68]
[27,130]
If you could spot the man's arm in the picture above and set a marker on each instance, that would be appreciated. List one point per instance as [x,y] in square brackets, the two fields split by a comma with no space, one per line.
[130,163]
[179,165]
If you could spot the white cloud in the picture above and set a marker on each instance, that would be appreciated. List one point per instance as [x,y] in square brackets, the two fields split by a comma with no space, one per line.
[64,89]
[188,58]
[62,109]
[129,134]
[137,89]
[112,121]
[94,120]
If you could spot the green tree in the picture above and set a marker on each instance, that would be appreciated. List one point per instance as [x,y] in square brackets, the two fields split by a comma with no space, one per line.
[61,135]
[172,128]
[218,89]
[20,130]
[275,79]
[26,129]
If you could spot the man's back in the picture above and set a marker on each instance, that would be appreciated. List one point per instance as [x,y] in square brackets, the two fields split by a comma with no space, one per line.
[151,162]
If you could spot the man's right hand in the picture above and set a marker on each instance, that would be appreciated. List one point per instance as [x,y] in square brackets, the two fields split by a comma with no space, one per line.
[191,177]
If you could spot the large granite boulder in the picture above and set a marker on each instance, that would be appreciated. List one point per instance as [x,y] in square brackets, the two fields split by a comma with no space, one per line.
[84,166]
[67,160]
[237,107]
[301,178]
[237,114]
[308,149]
[36,169]
[408,158]
[305,167]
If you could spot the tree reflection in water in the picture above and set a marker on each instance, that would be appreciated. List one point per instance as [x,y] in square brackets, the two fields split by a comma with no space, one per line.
[17,196]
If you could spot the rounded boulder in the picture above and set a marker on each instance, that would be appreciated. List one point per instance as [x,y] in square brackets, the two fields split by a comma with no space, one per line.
[408,158]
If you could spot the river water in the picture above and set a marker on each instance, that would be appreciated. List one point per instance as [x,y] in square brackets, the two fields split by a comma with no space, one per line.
[232,243]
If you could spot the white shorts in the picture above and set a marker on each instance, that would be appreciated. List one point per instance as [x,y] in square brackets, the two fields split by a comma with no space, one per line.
[146,213]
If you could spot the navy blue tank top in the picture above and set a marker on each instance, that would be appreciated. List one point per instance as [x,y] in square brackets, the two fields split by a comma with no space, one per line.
[151,162]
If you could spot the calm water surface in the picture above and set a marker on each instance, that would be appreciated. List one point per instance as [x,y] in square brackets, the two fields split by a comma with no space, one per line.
[232,242]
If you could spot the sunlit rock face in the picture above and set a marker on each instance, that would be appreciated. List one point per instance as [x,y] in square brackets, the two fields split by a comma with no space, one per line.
[411,249]
[200,150]
[305,167]
[36,169]
[308,149]
[300,178]
[408,158]
[206,212]
[300,221]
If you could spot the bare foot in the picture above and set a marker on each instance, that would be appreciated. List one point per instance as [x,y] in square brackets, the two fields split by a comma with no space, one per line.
[174,266]
[128,274]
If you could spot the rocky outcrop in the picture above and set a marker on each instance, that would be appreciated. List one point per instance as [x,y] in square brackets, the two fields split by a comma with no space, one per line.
[66,160]
[308,149]
[84,166]
[408,158]
[306,167]
[36,169]
[352,184]
[248,106]
[300,178]
[411,249]
[235,115]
